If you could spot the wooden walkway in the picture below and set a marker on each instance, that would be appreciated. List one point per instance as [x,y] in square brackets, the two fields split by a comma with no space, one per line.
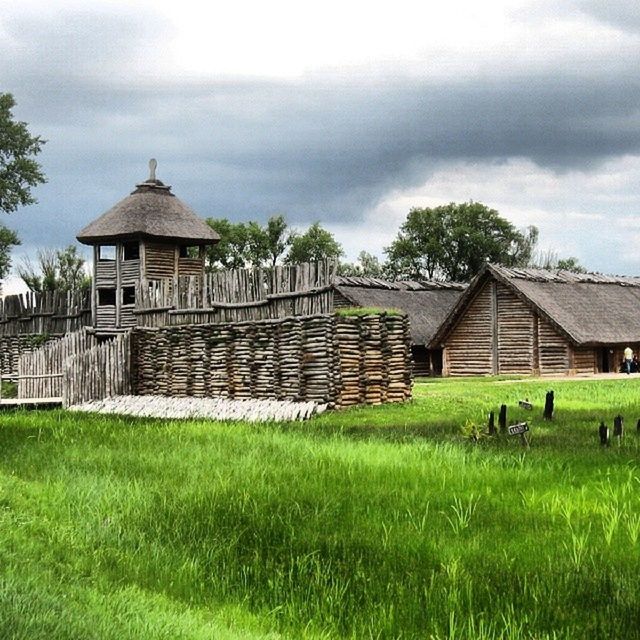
[29,402]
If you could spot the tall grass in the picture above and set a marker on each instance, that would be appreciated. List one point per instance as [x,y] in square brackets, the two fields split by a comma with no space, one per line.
[372,523]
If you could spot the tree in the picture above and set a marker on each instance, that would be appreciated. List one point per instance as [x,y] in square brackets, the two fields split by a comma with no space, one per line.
[268,243]
[454,241]
[8,239]
[571,264]
[232,250]
[19,171]
[278,238]
[550,260]
[314,245]
[367,266]
[57,270]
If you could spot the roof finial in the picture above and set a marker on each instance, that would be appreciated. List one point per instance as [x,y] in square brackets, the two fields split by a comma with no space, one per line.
[153,163]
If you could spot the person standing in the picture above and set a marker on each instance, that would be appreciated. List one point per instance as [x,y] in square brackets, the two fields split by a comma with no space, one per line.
[628,359]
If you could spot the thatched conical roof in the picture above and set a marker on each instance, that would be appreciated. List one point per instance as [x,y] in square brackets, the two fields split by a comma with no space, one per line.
[151,211]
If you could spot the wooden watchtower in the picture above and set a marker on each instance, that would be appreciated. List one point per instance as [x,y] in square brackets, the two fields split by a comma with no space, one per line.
[149,236]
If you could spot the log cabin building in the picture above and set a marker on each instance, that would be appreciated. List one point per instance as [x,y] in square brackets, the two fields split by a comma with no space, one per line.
[149,236]
[537,322]
[427,304]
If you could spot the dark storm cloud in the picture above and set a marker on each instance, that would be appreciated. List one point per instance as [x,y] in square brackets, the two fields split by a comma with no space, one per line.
[319,148]
[622,14]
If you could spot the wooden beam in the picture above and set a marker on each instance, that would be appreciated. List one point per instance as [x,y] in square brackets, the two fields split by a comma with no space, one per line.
[119,251]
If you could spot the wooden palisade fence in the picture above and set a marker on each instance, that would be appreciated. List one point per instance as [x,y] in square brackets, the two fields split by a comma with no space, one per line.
[76,368]
[40,372]
[49,312]
[100,372]
[237,295]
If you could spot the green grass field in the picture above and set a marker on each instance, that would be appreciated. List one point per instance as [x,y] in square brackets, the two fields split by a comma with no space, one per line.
[372,523]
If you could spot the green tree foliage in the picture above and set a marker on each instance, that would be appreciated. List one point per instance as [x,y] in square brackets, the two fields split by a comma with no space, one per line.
[8,239]
[268,244]
[550,260]
[57,270]
[19,171]
[454,241]
[571,264]
[313,245]
[232,252]
[367,265]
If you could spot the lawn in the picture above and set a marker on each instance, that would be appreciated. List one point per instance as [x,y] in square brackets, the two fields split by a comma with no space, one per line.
[385,522]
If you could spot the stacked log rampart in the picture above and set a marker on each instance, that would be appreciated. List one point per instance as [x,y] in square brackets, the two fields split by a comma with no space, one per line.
[340,361]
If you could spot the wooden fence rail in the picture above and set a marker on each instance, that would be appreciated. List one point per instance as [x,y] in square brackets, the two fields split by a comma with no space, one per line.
[100,372]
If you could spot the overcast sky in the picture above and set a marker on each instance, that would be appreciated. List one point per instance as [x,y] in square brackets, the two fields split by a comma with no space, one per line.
[346,113]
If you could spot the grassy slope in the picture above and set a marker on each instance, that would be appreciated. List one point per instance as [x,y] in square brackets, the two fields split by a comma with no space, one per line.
[370,523]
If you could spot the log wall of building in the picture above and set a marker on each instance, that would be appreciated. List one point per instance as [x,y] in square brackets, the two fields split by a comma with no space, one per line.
[159,260]
[584,360]
[326,358]
[554,350]
[469,347]
[500,334]
[516,333]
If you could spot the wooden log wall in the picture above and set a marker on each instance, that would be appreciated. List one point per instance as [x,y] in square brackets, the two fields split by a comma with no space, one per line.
[500,333]
[129,272]
[40,371]
[101,371]
[46,313]
[105,274]
[160,260]
[326,358]
[190,266]
[584,360]
[516,333]
[554,350]
[469,347]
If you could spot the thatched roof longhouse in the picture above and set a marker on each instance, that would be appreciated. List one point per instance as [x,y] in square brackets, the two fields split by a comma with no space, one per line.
[590,309]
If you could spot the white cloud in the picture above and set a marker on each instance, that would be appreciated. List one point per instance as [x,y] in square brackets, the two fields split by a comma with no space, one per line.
[573,212]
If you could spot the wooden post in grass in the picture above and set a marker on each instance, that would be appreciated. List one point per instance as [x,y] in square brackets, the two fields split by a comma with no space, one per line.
[492,423]
[618,428]
[502,418]
[603,432]
[548,406]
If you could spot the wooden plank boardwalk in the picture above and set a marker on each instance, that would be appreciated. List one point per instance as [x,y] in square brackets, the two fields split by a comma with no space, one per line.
[30,402]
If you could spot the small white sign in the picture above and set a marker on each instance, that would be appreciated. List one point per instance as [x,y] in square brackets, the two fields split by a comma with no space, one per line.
[518,429]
